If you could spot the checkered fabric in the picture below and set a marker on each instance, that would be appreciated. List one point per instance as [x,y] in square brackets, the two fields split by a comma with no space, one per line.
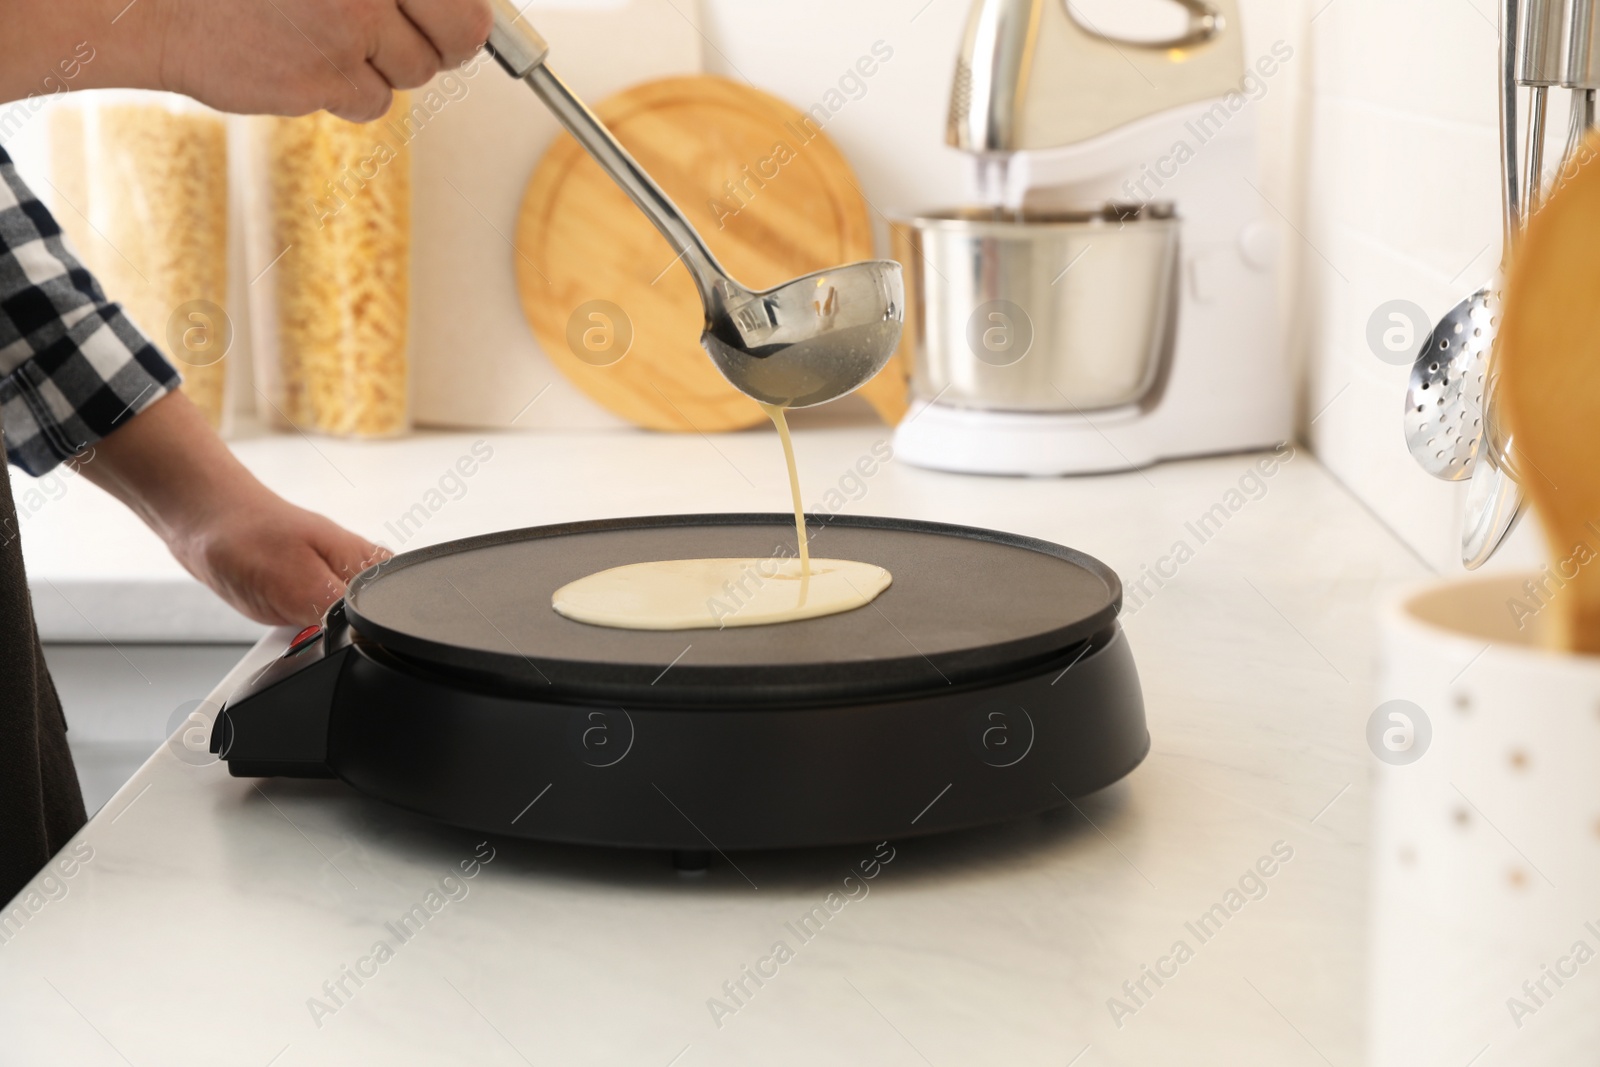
[73,367]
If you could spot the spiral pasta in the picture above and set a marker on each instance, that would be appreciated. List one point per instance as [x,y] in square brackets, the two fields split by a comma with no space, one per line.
[339,200]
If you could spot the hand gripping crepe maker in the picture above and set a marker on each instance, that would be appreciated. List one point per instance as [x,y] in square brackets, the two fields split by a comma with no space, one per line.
[991,681]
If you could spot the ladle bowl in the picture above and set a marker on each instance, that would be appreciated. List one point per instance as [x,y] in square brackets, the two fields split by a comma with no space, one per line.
[809,340]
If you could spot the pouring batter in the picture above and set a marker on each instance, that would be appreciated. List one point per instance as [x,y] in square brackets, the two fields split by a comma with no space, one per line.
[803,539]
[694,594]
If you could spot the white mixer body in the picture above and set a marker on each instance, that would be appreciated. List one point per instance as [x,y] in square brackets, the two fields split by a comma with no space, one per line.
[1227,384]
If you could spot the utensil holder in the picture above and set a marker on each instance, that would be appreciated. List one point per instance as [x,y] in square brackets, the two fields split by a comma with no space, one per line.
[1486,864]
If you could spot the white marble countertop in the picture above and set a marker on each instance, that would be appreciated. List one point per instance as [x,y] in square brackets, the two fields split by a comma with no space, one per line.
[203,914]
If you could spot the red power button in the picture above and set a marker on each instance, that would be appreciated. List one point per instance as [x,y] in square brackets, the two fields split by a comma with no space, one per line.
[304,638]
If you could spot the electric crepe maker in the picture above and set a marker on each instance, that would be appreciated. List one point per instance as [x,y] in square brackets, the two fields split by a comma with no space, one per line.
[990,681]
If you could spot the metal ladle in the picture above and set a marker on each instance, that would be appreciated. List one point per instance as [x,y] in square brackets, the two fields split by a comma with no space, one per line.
[803,343]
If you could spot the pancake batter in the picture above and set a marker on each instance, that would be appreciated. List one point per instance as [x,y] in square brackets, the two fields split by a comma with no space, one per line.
[692,594]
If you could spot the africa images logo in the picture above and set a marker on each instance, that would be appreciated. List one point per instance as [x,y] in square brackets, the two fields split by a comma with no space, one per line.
[600,737]
[1001,733]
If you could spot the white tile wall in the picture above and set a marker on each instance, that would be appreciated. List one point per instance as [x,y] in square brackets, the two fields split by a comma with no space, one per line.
[1403,203]
[1379,147]
[894,135]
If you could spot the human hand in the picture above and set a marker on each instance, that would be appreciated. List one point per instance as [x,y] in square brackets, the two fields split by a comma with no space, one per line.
[274,562]
[292,57]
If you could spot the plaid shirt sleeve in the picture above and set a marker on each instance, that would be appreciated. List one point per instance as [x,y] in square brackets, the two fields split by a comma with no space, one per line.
[73,367]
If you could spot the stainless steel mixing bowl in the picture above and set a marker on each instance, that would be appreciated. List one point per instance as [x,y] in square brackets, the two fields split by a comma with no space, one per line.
[1057,312]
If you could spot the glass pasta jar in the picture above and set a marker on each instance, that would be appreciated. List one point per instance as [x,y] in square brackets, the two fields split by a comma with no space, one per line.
[329,242]
[141,189]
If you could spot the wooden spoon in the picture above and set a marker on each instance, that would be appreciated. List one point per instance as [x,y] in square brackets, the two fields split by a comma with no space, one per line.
[1549,367]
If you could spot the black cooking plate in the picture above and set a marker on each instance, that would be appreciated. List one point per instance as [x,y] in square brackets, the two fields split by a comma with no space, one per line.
[966,604]
[990,681]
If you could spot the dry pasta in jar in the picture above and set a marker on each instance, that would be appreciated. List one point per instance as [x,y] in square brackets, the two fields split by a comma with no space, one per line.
[333,301]
[143,180]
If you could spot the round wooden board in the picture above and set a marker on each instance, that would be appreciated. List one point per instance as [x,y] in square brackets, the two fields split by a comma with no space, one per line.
[771,204]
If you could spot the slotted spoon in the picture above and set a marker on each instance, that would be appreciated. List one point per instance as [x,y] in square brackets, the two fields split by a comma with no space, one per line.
[1444,401]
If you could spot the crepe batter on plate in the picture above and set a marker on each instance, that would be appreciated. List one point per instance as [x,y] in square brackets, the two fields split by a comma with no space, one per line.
[693,594]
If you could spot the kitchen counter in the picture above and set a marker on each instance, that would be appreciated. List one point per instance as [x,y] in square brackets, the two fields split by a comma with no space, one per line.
[208,920]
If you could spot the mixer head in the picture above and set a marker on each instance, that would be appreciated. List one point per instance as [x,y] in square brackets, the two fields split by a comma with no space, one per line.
[1035,74]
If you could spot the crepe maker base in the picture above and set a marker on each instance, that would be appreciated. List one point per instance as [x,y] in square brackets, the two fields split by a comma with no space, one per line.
[989,682]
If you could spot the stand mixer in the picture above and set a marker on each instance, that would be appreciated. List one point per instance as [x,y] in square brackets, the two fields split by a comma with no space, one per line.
[1110,302]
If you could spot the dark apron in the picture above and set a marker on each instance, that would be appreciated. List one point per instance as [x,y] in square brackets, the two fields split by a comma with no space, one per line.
[40,805]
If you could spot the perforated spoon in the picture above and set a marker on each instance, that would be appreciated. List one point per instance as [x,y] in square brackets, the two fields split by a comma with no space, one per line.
[805,342]
[1444,401]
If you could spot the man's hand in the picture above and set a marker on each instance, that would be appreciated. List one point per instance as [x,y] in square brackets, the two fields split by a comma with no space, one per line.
[281,57]
[291,57]
[275,562]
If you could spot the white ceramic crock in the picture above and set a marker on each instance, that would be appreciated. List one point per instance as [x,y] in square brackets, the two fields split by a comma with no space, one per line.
[1486,863]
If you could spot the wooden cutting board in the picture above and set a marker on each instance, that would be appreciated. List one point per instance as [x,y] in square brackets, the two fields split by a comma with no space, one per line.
[475,362]
[611,306]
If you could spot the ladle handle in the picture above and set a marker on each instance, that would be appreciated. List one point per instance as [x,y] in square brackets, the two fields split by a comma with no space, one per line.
[514,43]
[521,51]
[1510,145]
[1541,60]
[1583,46]
[1540,55]
[1583,66]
